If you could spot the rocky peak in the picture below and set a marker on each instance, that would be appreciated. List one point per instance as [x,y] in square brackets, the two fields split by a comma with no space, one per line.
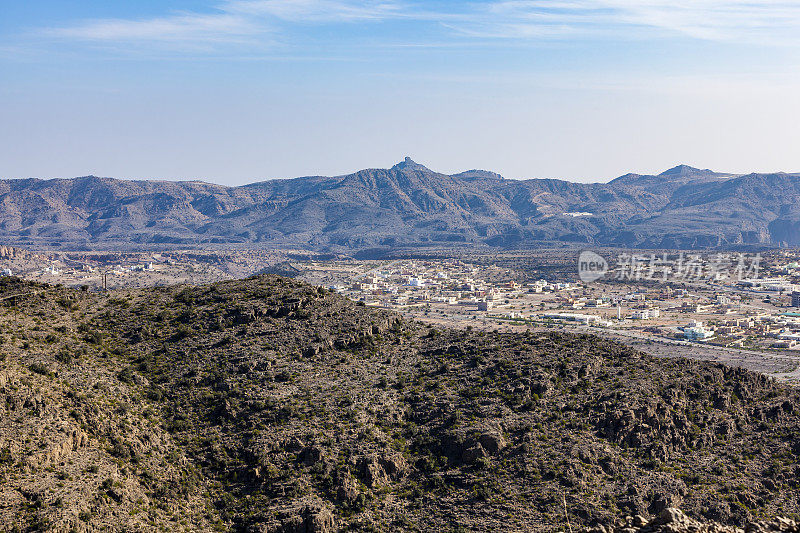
[410,164]
[684,170]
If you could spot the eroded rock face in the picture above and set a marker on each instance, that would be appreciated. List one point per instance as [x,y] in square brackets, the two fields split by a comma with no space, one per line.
[493,442]
[310,518]
[321,521]
[312,455]
[371,471]
[673,520]
[473,453]
[395,465]
[346,490]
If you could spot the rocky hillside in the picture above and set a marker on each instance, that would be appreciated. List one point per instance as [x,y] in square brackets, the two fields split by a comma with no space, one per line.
[672,520]
[407,205]
[267,405]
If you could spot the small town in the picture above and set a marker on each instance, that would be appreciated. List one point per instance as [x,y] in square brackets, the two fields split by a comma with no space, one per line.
[101,270]
[759,313]
[735,308]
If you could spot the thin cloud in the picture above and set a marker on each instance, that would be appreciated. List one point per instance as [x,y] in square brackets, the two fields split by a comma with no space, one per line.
[232,22]
[762,21]
[317,11]
[249,21]
[712,19]
[183,27]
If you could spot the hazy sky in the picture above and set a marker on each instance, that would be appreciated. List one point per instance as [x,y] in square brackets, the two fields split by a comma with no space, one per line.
[234,91]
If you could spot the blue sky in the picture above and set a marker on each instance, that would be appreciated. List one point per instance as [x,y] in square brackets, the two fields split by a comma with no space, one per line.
[235,91]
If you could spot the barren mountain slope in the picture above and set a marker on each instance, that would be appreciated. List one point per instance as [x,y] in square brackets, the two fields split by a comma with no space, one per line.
[406,205]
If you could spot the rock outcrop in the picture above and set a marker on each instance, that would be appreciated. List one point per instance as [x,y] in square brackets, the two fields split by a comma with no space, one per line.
[672,520]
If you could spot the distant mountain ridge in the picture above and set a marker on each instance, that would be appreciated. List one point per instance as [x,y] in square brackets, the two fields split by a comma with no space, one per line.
[408,205]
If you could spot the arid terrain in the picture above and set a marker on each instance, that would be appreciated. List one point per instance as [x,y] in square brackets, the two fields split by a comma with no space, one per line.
[407,205]
[399,266]
[267,404]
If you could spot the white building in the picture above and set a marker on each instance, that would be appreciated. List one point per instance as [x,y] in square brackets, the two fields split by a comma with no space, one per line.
[696,331]
[646,314]
[761,282]
[589,320]
[494,296]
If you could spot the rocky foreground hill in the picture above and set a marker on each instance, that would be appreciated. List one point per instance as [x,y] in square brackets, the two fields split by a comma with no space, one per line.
[406,205]
[268,405]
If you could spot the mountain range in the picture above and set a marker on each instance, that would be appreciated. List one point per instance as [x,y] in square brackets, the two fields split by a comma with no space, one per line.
[408,205]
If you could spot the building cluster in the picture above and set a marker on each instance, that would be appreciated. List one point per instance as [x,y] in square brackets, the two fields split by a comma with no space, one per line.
[749,312]
[769,330]
[83,270]
[415,283]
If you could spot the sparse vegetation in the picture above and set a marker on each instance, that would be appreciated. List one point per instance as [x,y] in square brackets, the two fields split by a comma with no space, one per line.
[266,404]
